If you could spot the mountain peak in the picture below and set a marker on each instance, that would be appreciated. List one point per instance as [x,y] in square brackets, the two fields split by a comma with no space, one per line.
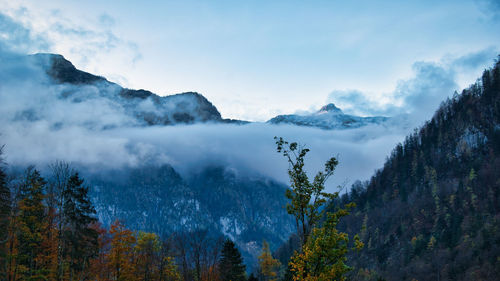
[330,108]
[63,71]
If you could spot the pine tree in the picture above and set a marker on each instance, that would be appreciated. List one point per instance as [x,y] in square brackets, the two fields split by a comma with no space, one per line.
[252,278]
[79,238]
[267,264]
[231,265]
[4,219]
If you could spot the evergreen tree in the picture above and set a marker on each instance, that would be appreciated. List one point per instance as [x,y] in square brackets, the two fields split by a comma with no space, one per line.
[231,265]
[4,219]
[252,278]
[79,238]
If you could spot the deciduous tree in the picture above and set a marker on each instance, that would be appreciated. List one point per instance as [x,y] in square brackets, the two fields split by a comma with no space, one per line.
[268,265]
[307,199]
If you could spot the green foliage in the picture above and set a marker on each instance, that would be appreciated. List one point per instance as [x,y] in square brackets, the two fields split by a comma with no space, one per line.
[80,240]
[306,198]
[323,251]
[324,255]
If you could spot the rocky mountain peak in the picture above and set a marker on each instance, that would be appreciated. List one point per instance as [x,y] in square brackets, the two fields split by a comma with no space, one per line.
[330,108]
[63,71]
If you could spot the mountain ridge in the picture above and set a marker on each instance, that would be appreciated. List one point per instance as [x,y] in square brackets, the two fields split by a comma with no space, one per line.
[182,108]
[329,117]
[191,107]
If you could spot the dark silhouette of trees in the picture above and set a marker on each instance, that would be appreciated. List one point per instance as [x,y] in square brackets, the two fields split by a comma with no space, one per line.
[231,265]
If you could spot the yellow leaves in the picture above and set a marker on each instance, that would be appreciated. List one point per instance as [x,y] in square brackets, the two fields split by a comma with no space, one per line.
[432,243]
[414,241]
[323,257]
[268,265]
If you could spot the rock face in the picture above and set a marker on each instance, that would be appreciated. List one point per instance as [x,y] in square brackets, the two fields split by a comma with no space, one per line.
[329,117]
[158,199]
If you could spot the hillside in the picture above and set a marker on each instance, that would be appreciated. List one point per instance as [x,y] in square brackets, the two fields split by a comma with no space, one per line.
[433,211]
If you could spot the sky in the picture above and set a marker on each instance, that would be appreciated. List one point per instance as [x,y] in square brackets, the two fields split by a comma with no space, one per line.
[257,59]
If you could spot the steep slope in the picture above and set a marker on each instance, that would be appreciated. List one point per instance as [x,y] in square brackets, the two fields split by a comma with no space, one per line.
[147,107]
[433,211]
[329,117]
[158,199]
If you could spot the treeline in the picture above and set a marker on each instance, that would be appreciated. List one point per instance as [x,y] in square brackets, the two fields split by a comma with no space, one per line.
[49,231]
[433,211]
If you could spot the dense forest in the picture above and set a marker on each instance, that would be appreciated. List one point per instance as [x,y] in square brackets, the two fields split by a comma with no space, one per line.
[433,211]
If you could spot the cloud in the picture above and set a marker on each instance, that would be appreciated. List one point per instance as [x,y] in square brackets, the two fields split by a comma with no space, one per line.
[490,8]
[473,61]
[43,122]
[358,103]
[86,125]
[422,94]
[14,36]
[419,96]
[86,43]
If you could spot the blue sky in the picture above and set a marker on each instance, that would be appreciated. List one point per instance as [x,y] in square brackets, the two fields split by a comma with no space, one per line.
[256,59]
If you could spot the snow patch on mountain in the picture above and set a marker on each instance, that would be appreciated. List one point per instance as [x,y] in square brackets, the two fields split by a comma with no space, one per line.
[329,117]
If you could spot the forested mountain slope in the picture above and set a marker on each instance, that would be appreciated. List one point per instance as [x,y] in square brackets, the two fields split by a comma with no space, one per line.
[433,211]
[158,199]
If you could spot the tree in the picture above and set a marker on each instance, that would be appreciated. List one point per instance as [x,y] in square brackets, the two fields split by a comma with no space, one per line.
[147,257]
[121,252]
[198,243]
[323,248]
[252,278]
[231,265]
[307,198]
[5,209]
[79,238]
[61,172]
[32,226]
[323,257]
[268,265]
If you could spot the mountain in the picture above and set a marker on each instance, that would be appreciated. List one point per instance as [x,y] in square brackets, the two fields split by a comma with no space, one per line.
[329,117]
[158,199]
[147,107]
[151,195]
[433,211]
